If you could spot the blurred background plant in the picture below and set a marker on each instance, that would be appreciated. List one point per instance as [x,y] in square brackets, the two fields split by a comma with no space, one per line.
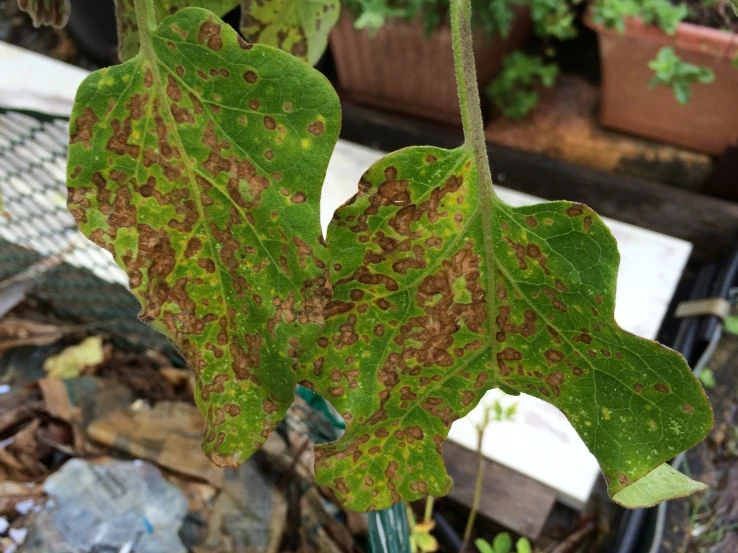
[516,90]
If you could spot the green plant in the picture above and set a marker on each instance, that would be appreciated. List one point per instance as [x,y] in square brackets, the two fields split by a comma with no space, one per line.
[515,90]
[707,377]
[503,544]
[491,412]
[494,17]
[198,164]
[663,13]
[678,75]
[421,539]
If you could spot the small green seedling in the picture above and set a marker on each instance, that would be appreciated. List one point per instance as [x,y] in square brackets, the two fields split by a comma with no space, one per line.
[731,322]
[502,543]
[678,75]
[421,539]
[707,378]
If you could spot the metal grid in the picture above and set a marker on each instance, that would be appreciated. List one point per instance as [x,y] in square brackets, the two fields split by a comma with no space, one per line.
[33,158]
[89,287]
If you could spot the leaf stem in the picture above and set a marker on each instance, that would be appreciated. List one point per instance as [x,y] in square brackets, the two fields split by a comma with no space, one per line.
[146,20]
[466,82]
[428,509]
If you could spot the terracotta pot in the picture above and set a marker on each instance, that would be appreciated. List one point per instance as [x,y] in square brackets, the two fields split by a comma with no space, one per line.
[708,123]
[401,69]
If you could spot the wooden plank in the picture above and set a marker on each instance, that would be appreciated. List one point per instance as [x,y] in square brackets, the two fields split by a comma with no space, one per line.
[508,497]
[709,223]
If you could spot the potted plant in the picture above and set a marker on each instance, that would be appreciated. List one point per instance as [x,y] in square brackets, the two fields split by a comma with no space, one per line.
[656,57]
[396,55]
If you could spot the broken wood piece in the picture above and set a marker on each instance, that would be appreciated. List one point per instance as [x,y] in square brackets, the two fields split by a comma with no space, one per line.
[168,434]
[509,498]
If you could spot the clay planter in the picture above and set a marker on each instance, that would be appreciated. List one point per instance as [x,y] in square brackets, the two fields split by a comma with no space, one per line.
[402,70]
[708,123]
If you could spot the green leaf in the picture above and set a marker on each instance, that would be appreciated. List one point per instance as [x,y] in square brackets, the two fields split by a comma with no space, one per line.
[523,546]
[54,13]
[502,543]
[299,27]
[731,324]
[436,302]
[707,378]
[662,483]
[198,164]
[128,43]
[483,546]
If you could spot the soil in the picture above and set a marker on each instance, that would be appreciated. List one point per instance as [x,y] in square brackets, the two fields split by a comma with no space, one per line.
[717,14]
[708,522]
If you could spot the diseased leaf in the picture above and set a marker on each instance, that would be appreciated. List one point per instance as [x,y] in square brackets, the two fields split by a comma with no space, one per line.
[52,13]
[299,27]
[664,482]
[436,302]
[125,14]
[198,164]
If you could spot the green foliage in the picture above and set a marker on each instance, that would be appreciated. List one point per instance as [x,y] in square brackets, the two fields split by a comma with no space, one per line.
[54,13]
[421,539]
[125,13]
[554,18]
[299,27]
[502,543]
[493,16]
[678,75]
[515,90]
[664,13]
[731,324]
[447,310]
[707,378]
[198,164]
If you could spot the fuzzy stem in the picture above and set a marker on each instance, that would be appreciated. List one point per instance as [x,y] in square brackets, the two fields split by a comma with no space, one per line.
[146,22]
[477,492]
[428,508]
[466,81]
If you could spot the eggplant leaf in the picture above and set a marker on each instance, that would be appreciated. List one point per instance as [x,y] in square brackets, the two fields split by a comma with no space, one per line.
[198,164]
[299,27]
[436,301]
[125,13]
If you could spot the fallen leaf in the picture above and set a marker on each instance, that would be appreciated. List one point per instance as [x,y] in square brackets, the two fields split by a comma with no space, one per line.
[70,362]
[168,434]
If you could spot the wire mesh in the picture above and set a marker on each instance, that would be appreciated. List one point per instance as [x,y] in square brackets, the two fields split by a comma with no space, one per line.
[89,287]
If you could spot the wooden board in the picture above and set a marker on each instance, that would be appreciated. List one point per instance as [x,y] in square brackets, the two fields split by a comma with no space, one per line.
[709,223]
[508,497]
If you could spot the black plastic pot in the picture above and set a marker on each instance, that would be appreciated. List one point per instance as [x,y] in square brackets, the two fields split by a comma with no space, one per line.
[92,24]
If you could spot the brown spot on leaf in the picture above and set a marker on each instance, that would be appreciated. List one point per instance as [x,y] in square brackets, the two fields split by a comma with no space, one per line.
[316,128]
[210,35]
[83,126]
[554,356]
[575,210]
[663,388]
